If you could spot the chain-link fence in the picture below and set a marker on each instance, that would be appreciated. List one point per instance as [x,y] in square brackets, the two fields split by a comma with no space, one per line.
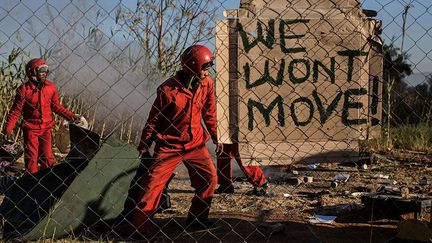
[324,105]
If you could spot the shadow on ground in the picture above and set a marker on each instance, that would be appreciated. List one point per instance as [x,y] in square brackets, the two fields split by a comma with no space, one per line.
[229,229]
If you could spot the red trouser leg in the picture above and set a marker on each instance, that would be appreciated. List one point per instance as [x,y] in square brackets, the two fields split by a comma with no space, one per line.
[31,145]
[203,178]
[202,173]
[45,149]
[254,173]
[151,187]
[224,167]
[38,147]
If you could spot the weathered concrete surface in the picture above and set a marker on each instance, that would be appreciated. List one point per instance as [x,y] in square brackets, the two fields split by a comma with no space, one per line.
[297,79]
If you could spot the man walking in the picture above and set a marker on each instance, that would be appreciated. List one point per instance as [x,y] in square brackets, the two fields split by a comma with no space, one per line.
[174,124]
[36,100]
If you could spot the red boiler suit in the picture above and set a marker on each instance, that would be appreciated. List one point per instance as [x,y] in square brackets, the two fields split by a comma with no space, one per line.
[174,123]
[253,173]
[36,105]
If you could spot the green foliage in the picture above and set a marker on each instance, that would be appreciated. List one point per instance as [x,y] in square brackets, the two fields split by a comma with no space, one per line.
[395,69]
[404,137]
[403,104]
[12,74]
[413,137]
[395,64]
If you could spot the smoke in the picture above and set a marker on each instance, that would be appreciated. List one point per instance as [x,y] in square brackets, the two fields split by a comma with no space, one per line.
[91,58]
[116,88]
[106,79]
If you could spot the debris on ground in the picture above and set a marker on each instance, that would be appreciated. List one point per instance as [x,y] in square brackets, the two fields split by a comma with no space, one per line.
[322,219]
[365,195]
[339,178]
[313,166]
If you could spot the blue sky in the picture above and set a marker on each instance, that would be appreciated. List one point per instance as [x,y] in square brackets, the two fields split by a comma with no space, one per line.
[418,37]
[417,41]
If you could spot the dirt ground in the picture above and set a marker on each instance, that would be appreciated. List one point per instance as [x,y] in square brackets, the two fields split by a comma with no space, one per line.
[285,215]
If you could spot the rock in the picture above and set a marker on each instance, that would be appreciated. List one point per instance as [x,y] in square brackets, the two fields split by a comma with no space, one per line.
[424,181]
[404,192]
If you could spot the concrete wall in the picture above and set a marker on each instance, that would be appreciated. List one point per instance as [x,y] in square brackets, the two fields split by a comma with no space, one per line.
[298,79]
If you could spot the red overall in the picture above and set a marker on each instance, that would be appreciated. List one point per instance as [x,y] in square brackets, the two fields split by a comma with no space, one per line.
[36,105]
[253,173]
[174,123]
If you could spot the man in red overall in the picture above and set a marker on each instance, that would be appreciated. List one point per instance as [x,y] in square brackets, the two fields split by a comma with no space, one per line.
[36,100]
[254,174]
[174,124]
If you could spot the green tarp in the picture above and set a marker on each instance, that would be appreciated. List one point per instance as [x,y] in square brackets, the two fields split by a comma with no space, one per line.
[95,194]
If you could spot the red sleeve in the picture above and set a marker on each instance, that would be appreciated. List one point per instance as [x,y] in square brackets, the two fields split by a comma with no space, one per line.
[150,129]
[16,110]
[209,113]
[58,108]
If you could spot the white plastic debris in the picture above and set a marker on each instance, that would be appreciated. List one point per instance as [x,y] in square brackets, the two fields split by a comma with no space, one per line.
[322,219]
[313,166]
[381,176]
[358,194]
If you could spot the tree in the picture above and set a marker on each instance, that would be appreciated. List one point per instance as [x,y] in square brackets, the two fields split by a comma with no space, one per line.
[395,66]
[165,28]
[396,69]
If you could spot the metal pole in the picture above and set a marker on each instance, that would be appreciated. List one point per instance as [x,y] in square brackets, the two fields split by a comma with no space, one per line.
[404,16]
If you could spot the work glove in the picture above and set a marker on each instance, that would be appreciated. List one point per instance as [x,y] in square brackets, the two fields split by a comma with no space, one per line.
[76,118]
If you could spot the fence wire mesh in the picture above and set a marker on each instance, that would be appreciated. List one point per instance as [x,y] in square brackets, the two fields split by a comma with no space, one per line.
[324,105]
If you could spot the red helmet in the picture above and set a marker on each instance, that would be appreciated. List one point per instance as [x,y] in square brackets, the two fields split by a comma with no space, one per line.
[194,57]
[35,65]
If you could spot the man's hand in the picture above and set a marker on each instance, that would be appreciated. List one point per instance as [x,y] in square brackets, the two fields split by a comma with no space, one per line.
[145,155]
[76,118]
[143,150]
[219,149]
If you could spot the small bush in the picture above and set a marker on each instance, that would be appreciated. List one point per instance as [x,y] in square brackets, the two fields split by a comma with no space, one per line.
[413,137]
